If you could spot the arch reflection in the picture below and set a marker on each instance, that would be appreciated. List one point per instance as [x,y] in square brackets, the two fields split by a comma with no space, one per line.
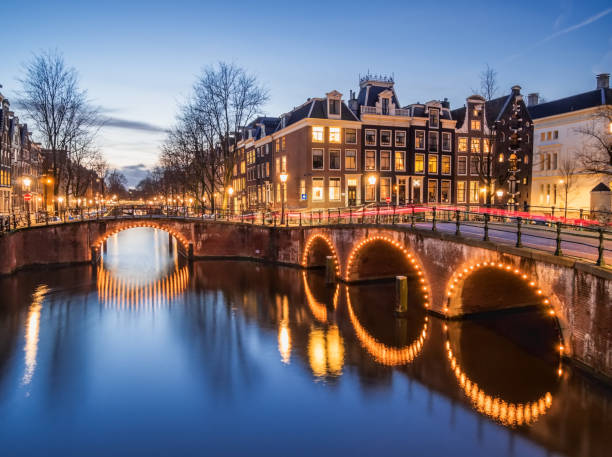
[133,294]
[317,308]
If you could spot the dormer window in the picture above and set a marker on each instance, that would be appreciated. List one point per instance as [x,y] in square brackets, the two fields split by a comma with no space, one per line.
[334,107]
[385,106]
[434,118]
[475,124]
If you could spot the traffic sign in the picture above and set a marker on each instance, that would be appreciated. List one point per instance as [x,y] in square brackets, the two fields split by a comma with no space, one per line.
[388,199]
[27,197]
[304,197]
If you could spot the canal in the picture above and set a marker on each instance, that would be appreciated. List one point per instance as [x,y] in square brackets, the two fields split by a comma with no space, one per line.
[148,355]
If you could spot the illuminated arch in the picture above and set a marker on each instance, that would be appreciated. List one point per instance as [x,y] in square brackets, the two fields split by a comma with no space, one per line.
[318,309]
[507,413]
[454,287]
[328,242]
[135,224]
[412,261]
[130,294]
[382,353]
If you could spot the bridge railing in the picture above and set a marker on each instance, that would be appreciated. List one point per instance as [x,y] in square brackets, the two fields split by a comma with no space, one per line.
[580,238]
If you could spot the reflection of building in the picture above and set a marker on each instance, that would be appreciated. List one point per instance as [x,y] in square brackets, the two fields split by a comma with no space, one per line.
[558,143]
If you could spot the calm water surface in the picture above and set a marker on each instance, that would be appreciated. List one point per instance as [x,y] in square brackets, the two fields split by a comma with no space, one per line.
[149,356]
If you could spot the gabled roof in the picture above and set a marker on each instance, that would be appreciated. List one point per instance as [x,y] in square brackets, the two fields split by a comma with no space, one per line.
[601,187]
[586,100]
[494,109]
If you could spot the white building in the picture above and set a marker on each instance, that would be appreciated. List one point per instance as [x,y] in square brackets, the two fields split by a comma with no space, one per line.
[558,143]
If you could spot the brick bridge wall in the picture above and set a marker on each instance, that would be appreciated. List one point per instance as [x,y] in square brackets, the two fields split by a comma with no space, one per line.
[578,294]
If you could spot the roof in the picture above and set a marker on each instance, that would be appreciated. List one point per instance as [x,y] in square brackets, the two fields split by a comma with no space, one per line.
[578,102]
[494,109]
[315,108]
[601,187]
[368,95]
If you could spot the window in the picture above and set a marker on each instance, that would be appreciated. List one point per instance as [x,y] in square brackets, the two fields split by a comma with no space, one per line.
[385,137]
[317,159]
[278,193]
[419,139]
[548,135]
[317,189]
[446,165]
[385,160]
[432,164]
[385,189]
[334,159]
[460,191]
[462,165]
[334,134]
[400,161]
[433,141]
[400,138]
[284,163]
[434,118]
[432,190]
[548,161]
[446,141]
[350,159]
[554,161]
[526,159]
[370,160]
[385,106]
[278,168]
[334,189]
[500,157]
[473,191]
[419,163]
[278,144]
[268,149]
[334,107]
[475,125]
[445,191]
[283,143]
[370,192]
[474,165]
[317,135]
[462,145]
[475,145]
[486,145]
[350,136]
[370,137]
[542,136]
[267,169]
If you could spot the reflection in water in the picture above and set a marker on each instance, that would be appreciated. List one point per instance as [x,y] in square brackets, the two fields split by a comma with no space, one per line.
[275,359]
[31,335]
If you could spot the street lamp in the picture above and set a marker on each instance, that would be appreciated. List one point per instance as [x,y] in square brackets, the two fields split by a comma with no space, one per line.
[283,178]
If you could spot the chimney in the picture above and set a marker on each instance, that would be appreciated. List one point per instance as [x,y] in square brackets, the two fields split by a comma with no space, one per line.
[532,99]
[445,103]
[352,103]
[603,81]
[516,90]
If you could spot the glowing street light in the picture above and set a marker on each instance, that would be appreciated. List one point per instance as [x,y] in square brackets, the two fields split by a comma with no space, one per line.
[499,193]
[372,179]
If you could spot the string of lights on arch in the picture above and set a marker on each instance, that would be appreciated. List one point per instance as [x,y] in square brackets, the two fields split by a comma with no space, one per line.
[328,242]
[181,239]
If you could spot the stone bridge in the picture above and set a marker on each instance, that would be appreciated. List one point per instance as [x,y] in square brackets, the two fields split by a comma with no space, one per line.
[456,276]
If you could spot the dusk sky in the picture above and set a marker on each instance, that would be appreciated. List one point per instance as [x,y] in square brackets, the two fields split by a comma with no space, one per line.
[139,59]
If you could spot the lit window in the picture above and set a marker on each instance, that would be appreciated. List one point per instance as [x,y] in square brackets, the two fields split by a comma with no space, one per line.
[500,158]
[400,162]
[419,139]
[283,143]
[432,164]
[334,159]
[475,125]
[317,189]
[400,139]
[334,189]
[432,190]
[486,145]
[370,159]
[370,192]
[317,159]
[419,163]
[385,137]
[462,146]
[385,160]
[370,137]
[473,191]
[475,145]
[445,190]
[284,163]
[446,165]
[350,159]
[542,136]
[334,134]
[460,191]
[317,134]
[350,136]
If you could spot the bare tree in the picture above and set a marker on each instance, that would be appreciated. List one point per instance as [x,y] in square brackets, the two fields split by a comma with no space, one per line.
[226,99]
[568,169]
[58,108]
[488,83]
[101,168]
[596,153]
[116,183]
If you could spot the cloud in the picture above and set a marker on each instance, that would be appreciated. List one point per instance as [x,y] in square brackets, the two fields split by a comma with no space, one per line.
[564,31]
[134,173]
[132,125]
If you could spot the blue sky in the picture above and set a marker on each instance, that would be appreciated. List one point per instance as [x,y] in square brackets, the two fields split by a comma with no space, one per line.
[138,59]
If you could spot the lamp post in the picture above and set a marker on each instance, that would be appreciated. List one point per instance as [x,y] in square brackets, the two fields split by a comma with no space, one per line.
[283,178]
[372,182]
[26,186]
[230,192]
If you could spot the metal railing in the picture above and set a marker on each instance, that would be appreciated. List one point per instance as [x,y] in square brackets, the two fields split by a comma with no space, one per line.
[578,238]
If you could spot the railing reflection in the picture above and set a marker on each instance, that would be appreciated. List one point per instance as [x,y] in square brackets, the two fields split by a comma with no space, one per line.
[32,331]
[130,293]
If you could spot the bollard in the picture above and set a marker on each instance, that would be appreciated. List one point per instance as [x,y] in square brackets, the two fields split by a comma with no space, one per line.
[94,255]
[519,243]
[300,218]
[433,220]
[393,220]
[558,250]
[350,215]
[401,295]
[412,218]
[190,252]
[600,256]
[457,223]
[330,270]
[486,228]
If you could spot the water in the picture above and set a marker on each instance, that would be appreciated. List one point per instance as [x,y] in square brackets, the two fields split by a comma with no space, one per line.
[149,356]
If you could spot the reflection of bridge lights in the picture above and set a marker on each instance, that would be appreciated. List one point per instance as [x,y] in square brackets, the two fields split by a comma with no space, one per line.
[32,331]
[386,355]
[318,309]
[284,342]
[507,413]
[453,291]
[326,240]
[326,351]
[126,293]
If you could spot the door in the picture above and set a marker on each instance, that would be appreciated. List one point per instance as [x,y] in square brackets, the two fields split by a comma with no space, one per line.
[352,195]
[401,191]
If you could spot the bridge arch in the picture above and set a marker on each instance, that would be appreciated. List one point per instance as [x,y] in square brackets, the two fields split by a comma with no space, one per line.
[123,225]
[316,249]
